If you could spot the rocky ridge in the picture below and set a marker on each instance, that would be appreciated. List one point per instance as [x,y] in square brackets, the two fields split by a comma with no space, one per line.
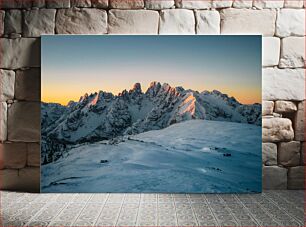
[103,116]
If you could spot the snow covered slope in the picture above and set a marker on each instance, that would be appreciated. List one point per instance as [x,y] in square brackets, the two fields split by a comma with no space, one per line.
[101,115]
[191,157]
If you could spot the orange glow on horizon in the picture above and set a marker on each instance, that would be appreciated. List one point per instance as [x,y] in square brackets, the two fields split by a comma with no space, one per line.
[62,94]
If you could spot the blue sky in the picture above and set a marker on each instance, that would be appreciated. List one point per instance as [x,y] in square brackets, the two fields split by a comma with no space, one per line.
[73,65]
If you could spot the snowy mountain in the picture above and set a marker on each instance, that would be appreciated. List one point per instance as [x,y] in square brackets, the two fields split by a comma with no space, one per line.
[211,156]
[102,115]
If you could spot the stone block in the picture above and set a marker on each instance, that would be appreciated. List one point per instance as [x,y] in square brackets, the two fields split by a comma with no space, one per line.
[293,52]
[20,53]
[159,4]
[289,154]
[2,15]
[39,3]
[290,22]
[303,160]
[293,4]
[24,122]
[269,154]
[99,3]
[133,22]
[262,4]
[221,3]
[208,22]
[283,84]
[248,21]
[13,155]
[285,107]
[13,21]
[271,51]
[296,177]
[39,22]
[3,121]
[242,4]
[277,130]
[274,178]
[192,4]
[27,86]
[7,84]
[9,179]
[267,108]
[33,154]
[299,122]
[178,21]
[15,4]
[80,3]
[25,180]
[277,115]
[56,4]
[81,21]
[126,4]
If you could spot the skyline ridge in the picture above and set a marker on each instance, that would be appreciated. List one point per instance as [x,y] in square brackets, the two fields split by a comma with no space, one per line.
[138,86]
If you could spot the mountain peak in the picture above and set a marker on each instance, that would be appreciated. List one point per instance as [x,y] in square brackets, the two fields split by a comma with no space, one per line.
[166,87]
[84,97]
[71,103]
[153,88]
[95,99]
[124,93]
[154,84]
[216,92]
[136,88]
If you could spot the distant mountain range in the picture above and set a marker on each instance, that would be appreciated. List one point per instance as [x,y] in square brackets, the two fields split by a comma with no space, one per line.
[103,115]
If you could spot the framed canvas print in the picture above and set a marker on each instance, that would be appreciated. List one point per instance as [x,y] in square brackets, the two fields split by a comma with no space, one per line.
[172,114]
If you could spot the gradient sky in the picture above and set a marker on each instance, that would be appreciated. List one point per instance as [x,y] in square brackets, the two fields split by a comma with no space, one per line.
[74,65]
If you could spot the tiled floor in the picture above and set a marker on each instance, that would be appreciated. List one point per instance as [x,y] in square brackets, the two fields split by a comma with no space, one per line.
[271,208]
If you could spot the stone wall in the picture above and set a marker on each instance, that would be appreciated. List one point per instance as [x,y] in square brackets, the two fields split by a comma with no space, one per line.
[281,22]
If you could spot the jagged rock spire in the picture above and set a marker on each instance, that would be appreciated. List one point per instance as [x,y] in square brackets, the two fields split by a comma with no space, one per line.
[136,88]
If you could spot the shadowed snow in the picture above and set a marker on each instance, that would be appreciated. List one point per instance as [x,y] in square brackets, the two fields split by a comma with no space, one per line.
[190,157]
